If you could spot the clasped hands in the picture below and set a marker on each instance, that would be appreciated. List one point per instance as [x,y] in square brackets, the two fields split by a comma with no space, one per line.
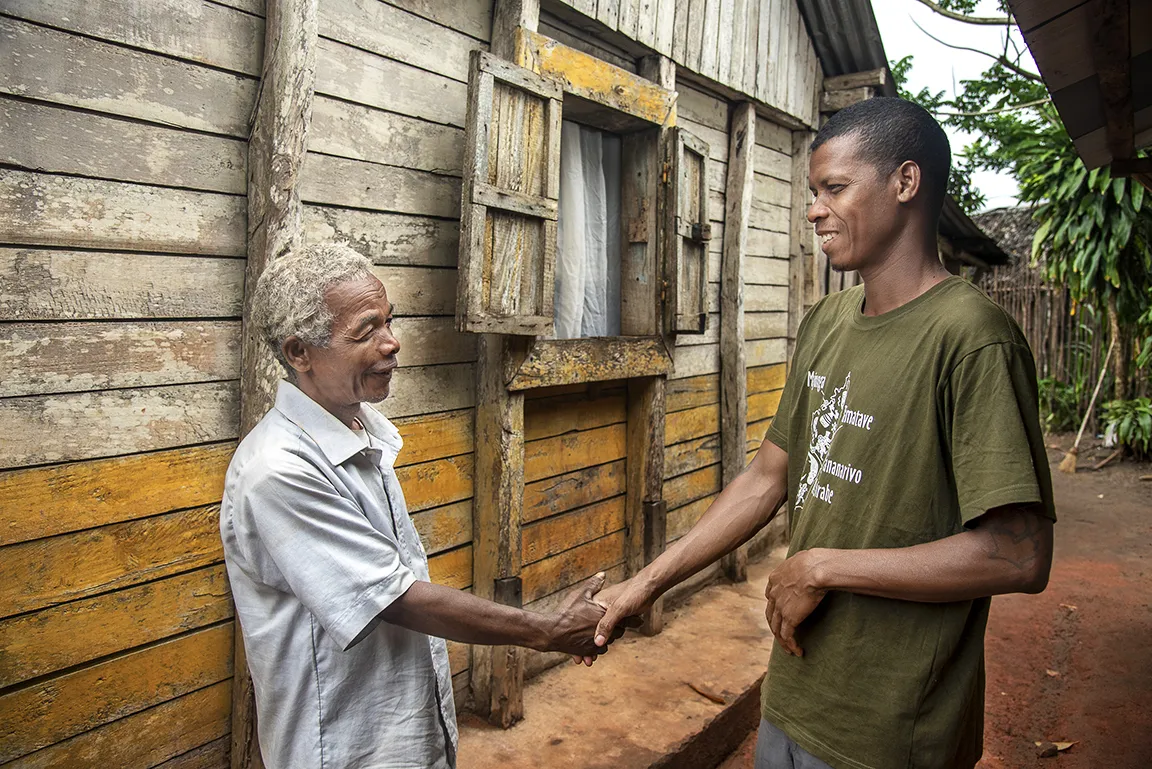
[791,594]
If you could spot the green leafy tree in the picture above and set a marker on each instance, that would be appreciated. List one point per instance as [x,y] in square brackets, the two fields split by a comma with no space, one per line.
[1095,232]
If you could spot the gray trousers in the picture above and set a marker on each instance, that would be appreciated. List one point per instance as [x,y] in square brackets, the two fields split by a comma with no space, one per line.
[776,750]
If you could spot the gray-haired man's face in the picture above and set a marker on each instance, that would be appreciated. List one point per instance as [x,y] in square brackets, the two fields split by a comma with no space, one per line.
[358,363]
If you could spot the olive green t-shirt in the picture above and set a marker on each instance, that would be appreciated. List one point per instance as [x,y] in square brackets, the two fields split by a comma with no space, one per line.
[900,429]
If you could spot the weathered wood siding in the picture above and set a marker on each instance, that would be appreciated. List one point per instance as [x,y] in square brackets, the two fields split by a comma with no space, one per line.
[123,142]
[123,147]
[574,493]
[760,48]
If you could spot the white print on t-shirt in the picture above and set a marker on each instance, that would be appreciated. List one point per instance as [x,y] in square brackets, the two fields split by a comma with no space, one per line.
[827,418]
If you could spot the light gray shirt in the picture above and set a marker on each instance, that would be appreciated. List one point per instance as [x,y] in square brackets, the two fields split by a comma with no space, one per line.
[318,542]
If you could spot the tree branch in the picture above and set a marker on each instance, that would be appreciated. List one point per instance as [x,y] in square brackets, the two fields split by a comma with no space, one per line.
[992,21]
[1002,60]
[1010,108]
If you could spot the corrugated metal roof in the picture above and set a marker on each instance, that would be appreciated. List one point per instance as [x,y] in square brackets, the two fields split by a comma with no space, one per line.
[847,40]
[846,37]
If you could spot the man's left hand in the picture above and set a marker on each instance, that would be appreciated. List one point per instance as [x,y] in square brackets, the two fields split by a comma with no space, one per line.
[792,595]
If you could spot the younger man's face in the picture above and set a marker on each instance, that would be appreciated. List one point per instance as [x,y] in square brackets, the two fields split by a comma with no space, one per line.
[856,209]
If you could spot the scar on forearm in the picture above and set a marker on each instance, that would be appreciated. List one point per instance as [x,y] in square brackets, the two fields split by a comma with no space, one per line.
[1017,537]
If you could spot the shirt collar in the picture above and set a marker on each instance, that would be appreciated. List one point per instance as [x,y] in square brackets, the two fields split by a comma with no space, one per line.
[333,437]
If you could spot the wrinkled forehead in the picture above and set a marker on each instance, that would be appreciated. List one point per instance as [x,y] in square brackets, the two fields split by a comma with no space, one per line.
[350,300]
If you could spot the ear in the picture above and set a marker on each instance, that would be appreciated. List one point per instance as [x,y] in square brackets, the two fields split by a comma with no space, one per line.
[907,179]
[297,353]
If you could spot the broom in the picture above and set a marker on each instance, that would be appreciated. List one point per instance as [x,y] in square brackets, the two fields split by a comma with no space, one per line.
[1068,463]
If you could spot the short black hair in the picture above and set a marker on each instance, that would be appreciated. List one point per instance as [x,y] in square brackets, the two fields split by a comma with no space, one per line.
[890,131]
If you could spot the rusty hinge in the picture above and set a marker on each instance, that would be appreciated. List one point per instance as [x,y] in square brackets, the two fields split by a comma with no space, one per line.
[666,172]
[663,291]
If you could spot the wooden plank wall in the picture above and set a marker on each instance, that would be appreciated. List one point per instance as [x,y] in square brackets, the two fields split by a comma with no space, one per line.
[123,150]
[382,175]
[759,48]
[692,460]
[574,493]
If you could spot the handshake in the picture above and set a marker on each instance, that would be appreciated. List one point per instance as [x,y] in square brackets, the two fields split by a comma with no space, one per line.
[593,616]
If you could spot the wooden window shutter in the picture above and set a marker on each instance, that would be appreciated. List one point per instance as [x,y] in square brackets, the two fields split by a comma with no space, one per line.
[509,200]
[688,269]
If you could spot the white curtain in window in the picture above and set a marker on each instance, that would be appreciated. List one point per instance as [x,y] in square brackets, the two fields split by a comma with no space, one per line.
[587,294]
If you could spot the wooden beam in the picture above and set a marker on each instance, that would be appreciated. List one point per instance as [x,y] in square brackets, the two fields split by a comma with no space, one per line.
[733,371]
[834,101]
[876,78]
[497,672]
[646,513]
[596,80]
[554,362]
[803,280]
[275,155]
[497,676]
[1112,59]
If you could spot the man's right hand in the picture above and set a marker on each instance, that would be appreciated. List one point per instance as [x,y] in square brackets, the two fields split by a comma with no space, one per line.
[574,625]
[624,603]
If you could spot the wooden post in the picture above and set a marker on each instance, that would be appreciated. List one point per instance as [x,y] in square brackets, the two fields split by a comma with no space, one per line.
[805,268]
[646,511]
[498,671]
[733,370]
[276,151]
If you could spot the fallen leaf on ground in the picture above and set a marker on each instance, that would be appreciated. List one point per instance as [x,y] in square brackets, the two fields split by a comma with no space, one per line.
[1050,749]
[1069,606]
[1052,673]
[706,692]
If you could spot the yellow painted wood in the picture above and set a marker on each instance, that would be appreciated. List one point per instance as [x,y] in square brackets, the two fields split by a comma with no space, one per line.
[560,571]
[45,572]
[692,423]
[564,532]
[596,80]
[453,568]
[763,405]
[764,378]
[431,484]
[564,453]
[691,455]
[144,739]
[683,518]
[692,392]
[559,493]
[59,637]
[443,528]
[43,502]
[687,488]
[55,709]
[435,436]
[545,418]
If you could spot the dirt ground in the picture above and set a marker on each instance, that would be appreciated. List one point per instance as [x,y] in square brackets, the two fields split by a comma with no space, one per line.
[1074,664]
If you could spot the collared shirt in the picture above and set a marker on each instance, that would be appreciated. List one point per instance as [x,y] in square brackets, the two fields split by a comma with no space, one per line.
[318,542]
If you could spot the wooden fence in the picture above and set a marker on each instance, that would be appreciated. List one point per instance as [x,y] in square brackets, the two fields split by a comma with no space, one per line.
[1067,338]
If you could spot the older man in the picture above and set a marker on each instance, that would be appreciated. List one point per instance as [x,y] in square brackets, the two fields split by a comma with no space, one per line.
[342,628]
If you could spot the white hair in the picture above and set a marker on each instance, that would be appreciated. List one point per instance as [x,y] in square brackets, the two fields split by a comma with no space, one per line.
[289,298]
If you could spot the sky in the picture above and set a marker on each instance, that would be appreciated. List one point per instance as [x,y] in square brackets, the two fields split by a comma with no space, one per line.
[941,69]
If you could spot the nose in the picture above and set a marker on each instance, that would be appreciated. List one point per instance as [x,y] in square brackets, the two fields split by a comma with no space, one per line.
[817,211]
[389,344]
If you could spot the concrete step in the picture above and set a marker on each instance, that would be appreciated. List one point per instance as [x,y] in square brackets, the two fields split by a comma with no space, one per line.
[684,699]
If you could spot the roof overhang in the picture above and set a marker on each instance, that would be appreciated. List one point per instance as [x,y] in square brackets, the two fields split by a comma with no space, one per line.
[1096,60]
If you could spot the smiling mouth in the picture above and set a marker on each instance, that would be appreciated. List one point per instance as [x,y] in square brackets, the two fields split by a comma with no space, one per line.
[827,237]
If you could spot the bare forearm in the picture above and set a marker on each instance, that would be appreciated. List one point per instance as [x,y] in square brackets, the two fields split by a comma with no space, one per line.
[742,509]
[1009,553]
[445,612]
